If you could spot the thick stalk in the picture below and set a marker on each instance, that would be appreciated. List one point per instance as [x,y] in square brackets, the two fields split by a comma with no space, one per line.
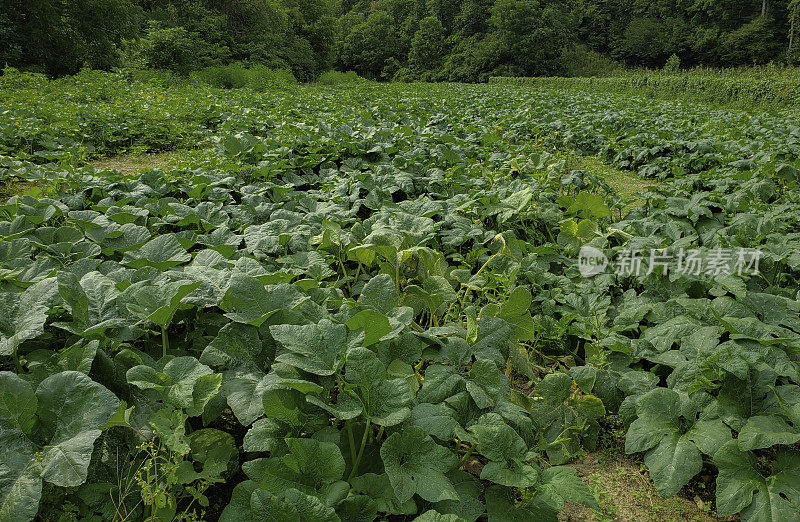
[352,442]
[354,471]
[164,341]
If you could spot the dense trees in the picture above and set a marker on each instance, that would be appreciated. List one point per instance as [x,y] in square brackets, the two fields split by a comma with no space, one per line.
[464,40]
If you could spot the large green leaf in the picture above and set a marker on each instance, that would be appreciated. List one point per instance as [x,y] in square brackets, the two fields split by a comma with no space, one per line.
[162,252]
[742,488]
[314,348]
[673,453]
[415,464]
[183,382]
[248,301]
[309,466]
[384,401]
[69,410]
[158,302]
[93,301]
[379,293]
[379,488]
[23,315]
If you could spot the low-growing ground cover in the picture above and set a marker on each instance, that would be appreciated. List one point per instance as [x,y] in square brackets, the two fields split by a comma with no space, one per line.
[367,301]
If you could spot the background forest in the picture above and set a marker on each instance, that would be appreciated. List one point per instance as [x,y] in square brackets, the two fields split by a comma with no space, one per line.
[451,40]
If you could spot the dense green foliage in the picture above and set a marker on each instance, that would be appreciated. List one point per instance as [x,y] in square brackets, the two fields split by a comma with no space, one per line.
[376,309]
[751,88]
[456,40]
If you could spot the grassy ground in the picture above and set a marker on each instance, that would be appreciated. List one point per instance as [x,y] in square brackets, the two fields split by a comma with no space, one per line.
[13,186]
[135,163]
[183,159]
[625,491]
[627,184]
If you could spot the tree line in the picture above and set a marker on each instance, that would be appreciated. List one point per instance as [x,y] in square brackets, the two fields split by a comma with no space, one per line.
[435,40]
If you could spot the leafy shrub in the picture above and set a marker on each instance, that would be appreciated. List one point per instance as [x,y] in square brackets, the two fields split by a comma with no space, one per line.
[237,76]
[158,77]
[579,60]
[673,64]
[404,75]
[338,78]
[171,48]
[15,79]
[260,77]
[223,77]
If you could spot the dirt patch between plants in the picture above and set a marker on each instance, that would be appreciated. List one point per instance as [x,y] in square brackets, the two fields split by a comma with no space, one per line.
[13,187]
[136,163]
[626,493]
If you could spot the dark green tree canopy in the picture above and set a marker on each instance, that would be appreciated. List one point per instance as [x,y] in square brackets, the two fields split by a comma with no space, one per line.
[458,40]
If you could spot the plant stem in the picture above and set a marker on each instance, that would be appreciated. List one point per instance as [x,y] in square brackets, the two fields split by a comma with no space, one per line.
[354,471]
[466,456]
[164,341]
[16,361]
[352,442]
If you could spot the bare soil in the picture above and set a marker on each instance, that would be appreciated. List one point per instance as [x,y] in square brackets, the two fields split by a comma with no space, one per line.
[626,493]
[135,163]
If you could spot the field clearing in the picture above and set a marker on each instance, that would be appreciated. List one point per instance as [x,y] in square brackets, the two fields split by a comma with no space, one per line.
[352,303]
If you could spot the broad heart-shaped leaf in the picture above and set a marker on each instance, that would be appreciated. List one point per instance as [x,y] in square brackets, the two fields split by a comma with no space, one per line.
[663,336]
[438,420]
[22,315]
[71,409]
[162,252]
[416,464]
[236,346]
[158,302]
[468,507]
[502,506]
[561,484]
[239,509]
[496,440]
[741,488]
[290,504]
[314,348]
[374,324]
[586,205]
[384,401]
[513,474]
[764,431]
[309,466]
[486,384]
[566,416]
[380,489]
[379,293]
[18,403]
[674,455]
[249,301]
[93,301]
[248,502]
[518,303]
[184,383]
[434,295]
[312,262]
